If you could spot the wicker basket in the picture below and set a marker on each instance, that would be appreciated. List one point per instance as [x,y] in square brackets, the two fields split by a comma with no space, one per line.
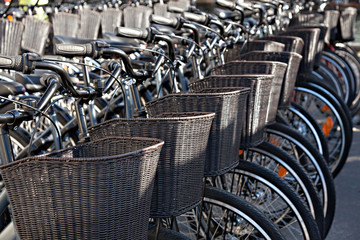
[321,41]
[137,17]
[331,19]
[259,67]
[65,24]
[110,19]
[293,62]
[292,44]
[97,190]
[89,24]
[346,27]
[310,36]
[256,108]
[222,150]
[260,45]
[10,37]
[178,182]
[35,34]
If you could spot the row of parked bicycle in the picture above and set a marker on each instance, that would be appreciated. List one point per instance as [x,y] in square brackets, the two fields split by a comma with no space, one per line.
[223,125]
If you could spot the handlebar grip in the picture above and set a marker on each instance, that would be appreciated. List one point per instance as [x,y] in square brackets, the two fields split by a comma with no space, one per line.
[171,22]
[226,4]
[202,19]
[74,50]
[139,33]
[12,63]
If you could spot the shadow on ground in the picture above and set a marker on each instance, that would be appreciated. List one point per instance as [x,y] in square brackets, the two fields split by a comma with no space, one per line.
[346,224]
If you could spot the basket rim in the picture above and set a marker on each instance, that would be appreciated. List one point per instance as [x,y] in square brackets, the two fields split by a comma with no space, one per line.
[195,116]
[254,61]
[279,53]
[157,143]
[285,36]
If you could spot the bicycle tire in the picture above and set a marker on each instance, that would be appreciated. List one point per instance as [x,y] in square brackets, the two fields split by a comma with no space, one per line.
[299,119]
[327,186]
[272,195]
[295,173]
[315,96]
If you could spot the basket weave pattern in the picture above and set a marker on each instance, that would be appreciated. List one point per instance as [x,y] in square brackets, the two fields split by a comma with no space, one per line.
[256,106]
[293,62]
[310,37]
[222,149]
[85,192]
[178,182]
[258,67]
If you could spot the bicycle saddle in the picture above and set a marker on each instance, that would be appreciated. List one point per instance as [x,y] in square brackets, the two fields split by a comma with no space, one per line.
[10,88]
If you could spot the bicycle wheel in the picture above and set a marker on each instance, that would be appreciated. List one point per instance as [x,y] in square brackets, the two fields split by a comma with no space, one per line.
[354,65]
[297,146]
[275,198]
[342,70]
[227,216]
[286,167]
[326,75]
[332,117]
[299,119]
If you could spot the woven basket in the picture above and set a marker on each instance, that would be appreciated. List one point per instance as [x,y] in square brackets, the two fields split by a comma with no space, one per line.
[97,190]
[256,108]
[35,35]
[110,19]
[178,182]
[346,27]
[137,17]
[292,44]
[260,45]
[259,67]
[65,24]
[321,41]
[293,62]
[89,24]
[331,19]
[310,36]
[222,149]
[10,37]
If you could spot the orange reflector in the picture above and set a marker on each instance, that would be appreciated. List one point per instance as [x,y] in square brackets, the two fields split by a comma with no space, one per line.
[241,152]
[327,126]
[10,18]
[282,172]
[325,108]
[274,141]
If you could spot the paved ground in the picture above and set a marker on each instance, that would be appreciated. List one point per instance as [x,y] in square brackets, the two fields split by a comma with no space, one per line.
[346,224]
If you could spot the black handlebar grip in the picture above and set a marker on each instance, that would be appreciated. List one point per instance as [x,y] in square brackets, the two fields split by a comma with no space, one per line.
[74,50]
[171,22]
[12,63]
[139,33]
[202,19]
[227,4]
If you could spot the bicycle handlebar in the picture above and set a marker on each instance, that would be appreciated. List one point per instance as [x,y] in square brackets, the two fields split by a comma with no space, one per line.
[74,50]
[12,63]
[202,19]
[142,34]
[171,22]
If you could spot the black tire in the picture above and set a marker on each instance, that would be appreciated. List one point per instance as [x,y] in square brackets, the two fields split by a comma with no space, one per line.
[296,176]
[275,198]
[354,65]
[165,234]
[348,81]
[313,98]
[305,124]
[326,75]
[306,153]
[228,212]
